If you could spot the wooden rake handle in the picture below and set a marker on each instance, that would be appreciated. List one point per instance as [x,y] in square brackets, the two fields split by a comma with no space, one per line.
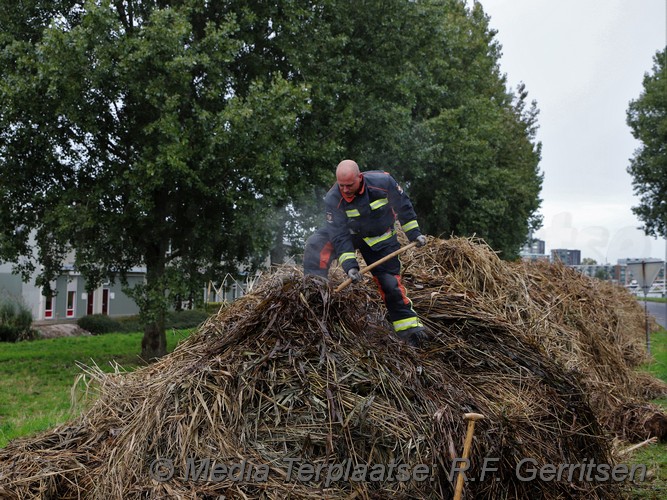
[471,418]
[377,263]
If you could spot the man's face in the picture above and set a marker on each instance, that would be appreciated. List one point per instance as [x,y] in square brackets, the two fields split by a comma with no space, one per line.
[349,183]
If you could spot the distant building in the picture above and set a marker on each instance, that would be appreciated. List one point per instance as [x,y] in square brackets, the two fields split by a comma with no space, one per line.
[620,274]
[71,299]
[567,257]
[535,246]
[533,250]
[532,257]
[615,273]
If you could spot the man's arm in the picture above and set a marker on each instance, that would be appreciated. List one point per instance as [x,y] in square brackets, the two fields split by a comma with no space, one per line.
[340,237]
[403,207]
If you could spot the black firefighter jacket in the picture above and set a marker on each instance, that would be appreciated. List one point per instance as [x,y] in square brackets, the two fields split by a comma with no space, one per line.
[370,215]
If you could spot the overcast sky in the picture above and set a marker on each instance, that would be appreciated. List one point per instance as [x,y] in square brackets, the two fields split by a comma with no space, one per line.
[583,61]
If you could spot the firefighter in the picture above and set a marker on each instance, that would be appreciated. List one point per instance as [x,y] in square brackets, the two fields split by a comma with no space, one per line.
[361,209]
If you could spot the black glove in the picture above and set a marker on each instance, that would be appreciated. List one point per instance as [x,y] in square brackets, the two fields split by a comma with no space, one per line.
[421,240]
[414,336]
[419,337]
[354,275]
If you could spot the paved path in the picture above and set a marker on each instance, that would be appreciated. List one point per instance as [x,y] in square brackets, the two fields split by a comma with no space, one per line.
[657,309]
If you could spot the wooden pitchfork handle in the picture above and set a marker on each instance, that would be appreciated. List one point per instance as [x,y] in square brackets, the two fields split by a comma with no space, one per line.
[471,418]
[377,263]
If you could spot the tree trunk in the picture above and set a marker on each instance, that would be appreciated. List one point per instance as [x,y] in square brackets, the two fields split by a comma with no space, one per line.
[278,251]
[154,342]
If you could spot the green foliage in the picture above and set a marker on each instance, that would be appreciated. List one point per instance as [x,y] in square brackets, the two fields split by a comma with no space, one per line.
[415,88]
[602,274]
[658,365]
[188,318]
[98,324]
[8,334]
[647,117]
[15,321]
[143,138]
[7,312]
[130,324]
[652,299]
[474,167]
[213,307]
[190,137]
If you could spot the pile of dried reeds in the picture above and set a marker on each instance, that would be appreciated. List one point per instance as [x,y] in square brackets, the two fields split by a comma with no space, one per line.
[588,326]
[294,379]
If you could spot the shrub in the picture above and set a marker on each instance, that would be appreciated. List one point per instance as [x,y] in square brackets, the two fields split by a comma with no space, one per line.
[7,311]
[23,319]
[15,321]
[130,324]
[99,323]
[188,318]
[213,307]
[8,333]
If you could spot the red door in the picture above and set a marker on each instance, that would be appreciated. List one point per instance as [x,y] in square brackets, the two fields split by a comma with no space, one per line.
[105,301]
[89,306]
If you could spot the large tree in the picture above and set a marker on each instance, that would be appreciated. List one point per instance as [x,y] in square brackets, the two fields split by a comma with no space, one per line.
[415,88]
[357,60]
[474,163]
[139,133]
[647,118]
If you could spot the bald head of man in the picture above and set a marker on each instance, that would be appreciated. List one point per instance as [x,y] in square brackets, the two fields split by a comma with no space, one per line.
[348,177]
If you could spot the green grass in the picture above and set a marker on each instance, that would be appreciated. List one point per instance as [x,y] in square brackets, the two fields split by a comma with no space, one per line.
[36,377]
[658,366]
[652,299]
[654,456]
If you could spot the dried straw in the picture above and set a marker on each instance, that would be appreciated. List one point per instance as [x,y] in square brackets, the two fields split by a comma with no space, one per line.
[293,371]
[588,326]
